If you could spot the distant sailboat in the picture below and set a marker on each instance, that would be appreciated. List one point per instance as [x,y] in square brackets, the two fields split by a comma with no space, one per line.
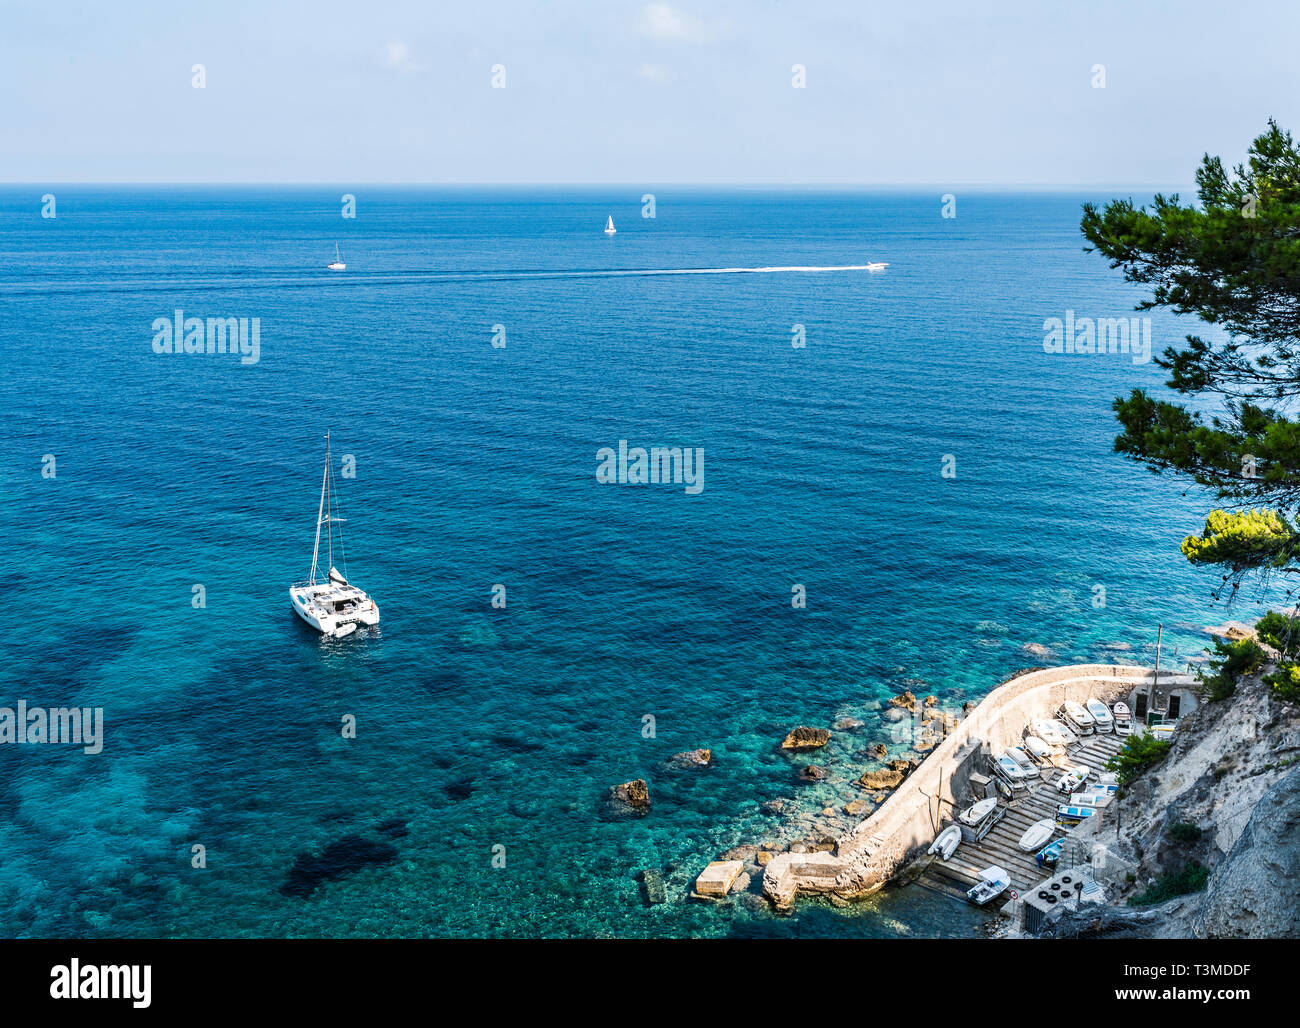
[338,264]
[609,226]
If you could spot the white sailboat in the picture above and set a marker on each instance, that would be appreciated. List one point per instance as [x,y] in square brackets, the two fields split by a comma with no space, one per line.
[329,602]
[609,226]
[338,264]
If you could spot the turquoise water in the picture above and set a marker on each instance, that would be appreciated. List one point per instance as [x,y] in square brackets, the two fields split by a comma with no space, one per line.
[480,728]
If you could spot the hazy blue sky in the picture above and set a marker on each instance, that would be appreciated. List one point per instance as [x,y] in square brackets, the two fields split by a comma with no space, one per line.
[955,92]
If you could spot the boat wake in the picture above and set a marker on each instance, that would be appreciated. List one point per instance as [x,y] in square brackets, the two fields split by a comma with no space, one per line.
[297,281]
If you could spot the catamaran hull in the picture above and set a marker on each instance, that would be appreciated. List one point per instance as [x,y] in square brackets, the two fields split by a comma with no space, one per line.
[327,625]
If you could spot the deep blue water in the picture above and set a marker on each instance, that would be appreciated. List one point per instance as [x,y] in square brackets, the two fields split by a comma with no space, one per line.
[480,728]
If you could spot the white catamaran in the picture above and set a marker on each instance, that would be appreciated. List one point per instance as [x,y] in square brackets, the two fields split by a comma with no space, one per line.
[331,604]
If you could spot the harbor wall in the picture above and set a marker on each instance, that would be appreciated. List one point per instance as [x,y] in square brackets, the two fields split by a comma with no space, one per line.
[905,824]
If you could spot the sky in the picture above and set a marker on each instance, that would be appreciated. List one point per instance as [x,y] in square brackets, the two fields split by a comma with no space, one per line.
[957,92]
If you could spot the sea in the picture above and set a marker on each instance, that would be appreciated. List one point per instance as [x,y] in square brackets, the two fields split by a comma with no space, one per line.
[899,487]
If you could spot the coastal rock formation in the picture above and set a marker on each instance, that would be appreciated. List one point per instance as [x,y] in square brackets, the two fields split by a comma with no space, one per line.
[692,758]
[856,808]
[878,751]
[716,879]
[805,738]
[887,779]
[1251,894]
[813,773]
[652,884]
[904,700]
[893,714]
[932,701]
[635,794]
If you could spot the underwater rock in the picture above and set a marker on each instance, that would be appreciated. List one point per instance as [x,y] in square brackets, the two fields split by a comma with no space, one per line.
[1037,650]
[893,714]
[348,855]
[878,751]
[652,886]
[806,738]
[856,808]
[847,724]
[813,773]
[692,758]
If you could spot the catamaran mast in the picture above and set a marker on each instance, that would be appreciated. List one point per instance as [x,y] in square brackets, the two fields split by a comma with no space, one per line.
[320,513]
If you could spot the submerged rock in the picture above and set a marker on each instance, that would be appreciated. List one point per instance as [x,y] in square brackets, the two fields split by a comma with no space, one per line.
[1037,650]
[652,886]
[847,724]
[692,758]
[348,855]
[806,738]
[813,773]
[856,808]
[878,751]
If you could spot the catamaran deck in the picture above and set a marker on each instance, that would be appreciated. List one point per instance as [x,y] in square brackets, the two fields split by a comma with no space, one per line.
[999,847]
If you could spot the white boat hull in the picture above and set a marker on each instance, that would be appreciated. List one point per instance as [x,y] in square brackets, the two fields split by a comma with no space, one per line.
[329,623]
[1038,835]
[946,842]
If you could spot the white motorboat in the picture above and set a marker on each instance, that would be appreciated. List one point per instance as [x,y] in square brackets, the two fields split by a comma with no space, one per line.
[877,265]
[1101,716]
[1078,718]
[329,602]
[1037,835]
[1039,752]
[1007,769]
[994,881]
[945,843]
[338,264]
[977,812]
[1072,778]
[609,226]
[1021,756]
[1052,732]
[1123,719]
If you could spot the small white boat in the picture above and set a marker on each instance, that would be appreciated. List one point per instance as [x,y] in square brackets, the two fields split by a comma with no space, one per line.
[1006,768]
[1052,732]
[609,226]
[1039,752]
[1093,796]
[977,812]
[329,602]
[1072,778]
[1123,719]
[1068,814]
[876,265]
[338,264]
[1078,718]
[945,843]
[994,881]
[1101,716]
[1037,835]
[1021,757]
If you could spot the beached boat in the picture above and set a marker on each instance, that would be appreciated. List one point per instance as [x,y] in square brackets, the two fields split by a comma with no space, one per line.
[977,812]
[1021,757]
[1079,720]
[1010,771]
[1093,796]
[994,881]
[1072,778]
[1123,719]
[1069,814]
[1052,732]
[338,264]
[1039,752]
[945,843]
[1101,716]
[1037,835]
[328,601]
[1051,853]
[609,226]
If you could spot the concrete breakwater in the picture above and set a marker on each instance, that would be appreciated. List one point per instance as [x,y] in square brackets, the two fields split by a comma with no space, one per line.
[905,824]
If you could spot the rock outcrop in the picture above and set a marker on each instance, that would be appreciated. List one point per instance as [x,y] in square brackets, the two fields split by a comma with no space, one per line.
[805,738]
[635,794]
[1251,894]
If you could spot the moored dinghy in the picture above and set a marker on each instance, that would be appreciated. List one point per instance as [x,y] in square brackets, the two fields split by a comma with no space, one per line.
[1038,835]
[994,881]
[945,843]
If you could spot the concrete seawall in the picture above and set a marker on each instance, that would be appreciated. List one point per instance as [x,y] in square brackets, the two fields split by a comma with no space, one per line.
[903,827]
